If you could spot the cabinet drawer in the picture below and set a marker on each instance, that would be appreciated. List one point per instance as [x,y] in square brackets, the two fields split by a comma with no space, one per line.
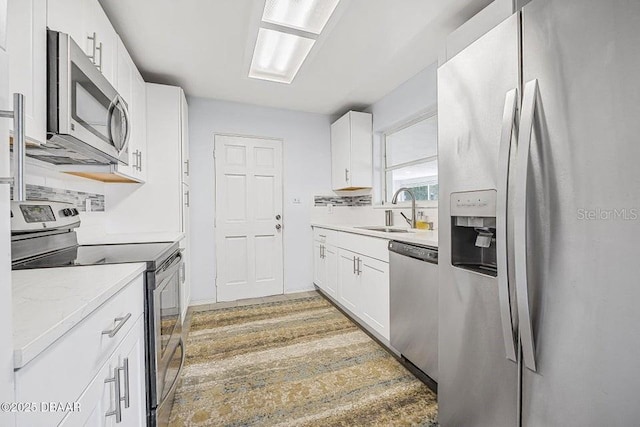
[364,245]
[99,397]
[324,235]
[62,372]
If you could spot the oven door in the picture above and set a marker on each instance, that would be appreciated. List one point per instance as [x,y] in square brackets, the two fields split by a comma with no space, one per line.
[168,327]
[85,112]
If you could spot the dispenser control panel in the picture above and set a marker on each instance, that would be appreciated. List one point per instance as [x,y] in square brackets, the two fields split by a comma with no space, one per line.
[480,203]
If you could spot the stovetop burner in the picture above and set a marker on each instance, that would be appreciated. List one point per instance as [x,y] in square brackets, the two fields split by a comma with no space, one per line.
[43,236]
[151,253]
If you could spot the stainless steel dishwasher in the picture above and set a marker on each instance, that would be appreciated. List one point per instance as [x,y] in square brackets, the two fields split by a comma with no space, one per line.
[413,274]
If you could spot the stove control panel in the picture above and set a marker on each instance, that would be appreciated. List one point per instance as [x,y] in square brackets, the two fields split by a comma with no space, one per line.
[33,215]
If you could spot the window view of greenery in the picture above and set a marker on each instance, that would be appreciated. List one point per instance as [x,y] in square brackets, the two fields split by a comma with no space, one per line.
[411,160]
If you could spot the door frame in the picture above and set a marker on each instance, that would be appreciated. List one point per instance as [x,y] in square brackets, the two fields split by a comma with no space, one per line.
[215,194]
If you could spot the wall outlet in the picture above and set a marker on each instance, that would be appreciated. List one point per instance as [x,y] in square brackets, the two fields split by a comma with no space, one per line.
[329,208]
[87,204]
[296,201]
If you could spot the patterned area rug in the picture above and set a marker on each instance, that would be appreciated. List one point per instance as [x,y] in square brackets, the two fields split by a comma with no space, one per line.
[293,363]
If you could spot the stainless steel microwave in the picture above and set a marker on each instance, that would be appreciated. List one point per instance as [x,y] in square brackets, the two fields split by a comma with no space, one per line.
[87,120]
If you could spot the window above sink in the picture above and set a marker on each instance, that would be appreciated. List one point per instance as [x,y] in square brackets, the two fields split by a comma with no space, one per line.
[410,159]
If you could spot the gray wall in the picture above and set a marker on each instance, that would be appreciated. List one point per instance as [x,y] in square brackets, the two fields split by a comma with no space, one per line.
[414,97]
[306,172]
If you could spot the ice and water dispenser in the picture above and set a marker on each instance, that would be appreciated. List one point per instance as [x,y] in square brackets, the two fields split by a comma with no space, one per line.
[473,231]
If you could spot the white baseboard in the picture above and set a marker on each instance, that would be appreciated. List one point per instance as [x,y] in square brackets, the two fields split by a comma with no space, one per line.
[202,302]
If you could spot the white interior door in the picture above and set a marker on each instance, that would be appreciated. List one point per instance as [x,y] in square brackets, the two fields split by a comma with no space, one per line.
[6,350]
[248,217]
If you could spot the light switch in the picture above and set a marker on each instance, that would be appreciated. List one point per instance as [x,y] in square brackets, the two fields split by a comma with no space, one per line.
[296,200]
[330,208]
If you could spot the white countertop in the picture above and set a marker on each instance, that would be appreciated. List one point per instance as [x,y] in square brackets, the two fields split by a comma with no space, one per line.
[132,238]
[418,237]
[48,302]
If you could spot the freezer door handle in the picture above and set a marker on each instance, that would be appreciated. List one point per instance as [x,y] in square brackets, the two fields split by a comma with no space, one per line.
[504,294]
[529,102]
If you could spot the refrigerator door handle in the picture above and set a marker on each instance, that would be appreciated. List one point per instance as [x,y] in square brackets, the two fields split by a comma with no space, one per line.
[520,223]
[504,294]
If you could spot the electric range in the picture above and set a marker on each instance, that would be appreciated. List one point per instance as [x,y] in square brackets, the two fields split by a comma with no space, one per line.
[43,236]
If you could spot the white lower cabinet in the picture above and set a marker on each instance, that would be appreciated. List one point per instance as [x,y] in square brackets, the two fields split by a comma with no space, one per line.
[78,366]
[116,396]
[356,274]
[331,269]
[374,277]
[325,261]
[319,266]
[349,283]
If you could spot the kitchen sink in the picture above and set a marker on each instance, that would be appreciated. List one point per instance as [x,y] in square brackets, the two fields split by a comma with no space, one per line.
[385,229]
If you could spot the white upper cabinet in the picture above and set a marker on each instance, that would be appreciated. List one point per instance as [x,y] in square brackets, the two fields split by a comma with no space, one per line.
[67,16]
[184,124]
[106,40]
[138,112]
[88,25]
[27,46]
[132,89]
[125,67]
[351,152]
[164,190]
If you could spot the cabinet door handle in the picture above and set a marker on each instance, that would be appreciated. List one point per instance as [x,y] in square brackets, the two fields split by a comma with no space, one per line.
[125,370]
[359,265]
[120,321]
[99,48]
[140,161]
[117,411]
[346,175]
[186,167]
[187,202]
[354,265]
[94,41]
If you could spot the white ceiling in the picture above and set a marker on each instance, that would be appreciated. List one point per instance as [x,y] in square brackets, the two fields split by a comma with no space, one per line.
[368,48]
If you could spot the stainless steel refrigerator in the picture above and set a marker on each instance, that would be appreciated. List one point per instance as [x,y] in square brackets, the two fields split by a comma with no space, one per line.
[539,164]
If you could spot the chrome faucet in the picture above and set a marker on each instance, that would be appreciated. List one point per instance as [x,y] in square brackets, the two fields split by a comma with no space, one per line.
[394,200]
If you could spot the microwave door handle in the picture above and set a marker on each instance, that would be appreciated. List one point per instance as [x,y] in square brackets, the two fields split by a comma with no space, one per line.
[520,223]
[119,103]
[127,131]
[504,287]
[110,112]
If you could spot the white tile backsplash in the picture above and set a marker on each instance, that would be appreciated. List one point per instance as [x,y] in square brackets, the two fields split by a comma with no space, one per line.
[366,215]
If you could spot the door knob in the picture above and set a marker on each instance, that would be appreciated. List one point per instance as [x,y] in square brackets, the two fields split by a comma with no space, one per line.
[278,217]
[278,226]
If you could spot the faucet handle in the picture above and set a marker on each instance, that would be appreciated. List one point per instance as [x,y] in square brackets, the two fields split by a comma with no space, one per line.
[406,219]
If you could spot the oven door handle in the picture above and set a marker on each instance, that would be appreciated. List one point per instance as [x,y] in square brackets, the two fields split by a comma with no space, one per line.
[168,268]
[174,384]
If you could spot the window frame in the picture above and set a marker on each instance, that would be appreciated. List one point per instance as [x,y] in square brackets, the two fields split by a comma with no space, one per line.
[384,169]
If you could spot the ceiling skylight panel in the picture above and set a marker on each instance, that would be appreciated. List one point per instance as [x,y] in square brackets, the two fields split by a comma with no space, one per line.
[306,15]
[278,56]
